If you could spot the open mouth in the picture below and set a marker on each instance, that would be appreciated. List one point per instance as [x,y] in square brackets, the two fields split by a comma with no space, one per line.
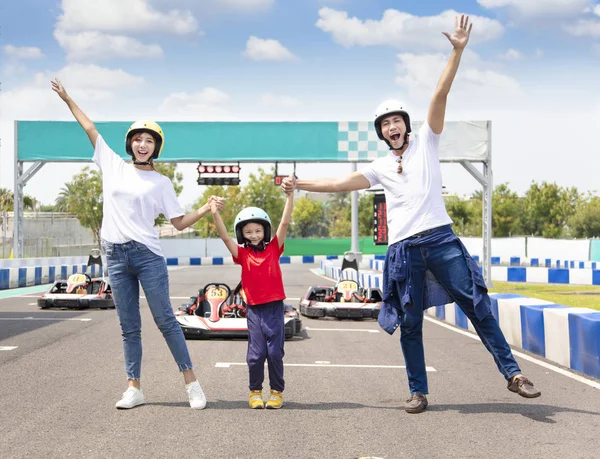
[395,137]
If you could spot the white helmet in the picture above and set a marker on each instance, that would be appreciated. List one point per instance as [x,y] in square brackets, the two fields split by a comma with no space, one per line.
[252,215]
[387,108]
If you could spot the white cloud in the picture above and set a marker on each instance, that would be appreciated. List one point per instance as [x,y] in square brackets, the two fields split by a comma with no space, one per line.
[512,55]
[123,16]
[94,46]
[94,77]
[259,49]
[22,52]
[584,28]
[538,8]
[248,5]
[208,104]
[271,100]
[402,30]
[477,84]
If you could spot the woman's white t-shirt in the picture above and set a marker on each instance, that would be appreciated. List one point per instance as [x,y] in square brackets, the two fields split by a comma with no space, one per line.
[414,197]
[133,198]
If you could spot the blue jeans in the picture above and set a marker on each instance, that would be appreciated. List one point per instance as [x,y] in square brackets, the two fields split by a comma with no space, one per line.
[266,336]
[130,264]
[449,266]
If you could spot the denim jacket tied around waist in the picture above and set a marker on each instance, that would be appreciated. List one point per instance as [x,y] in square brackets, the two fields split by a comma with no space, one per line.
[398,288]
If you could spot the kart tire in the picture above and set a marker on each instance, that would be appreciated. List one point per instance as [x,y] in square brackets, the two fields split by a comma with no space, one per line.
[43,304]
[83,304]
[102,304]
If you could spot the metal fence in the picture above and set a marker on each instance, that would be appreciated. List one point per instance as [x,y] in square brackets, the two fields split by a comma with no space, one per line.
[48,247]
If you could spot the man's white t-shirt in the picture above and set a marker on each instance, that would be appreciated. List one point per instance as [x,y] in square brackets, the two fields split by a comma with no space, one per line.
[133,198]
[414,197]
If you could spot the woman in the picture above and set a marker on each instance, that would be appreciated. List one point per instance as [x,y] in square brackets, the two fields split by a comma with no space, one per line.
[134,194]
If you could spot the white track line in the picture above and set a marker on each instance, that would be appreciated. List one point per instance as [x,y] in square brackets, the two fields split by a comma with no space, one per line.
[44,318]
[529,358]
[325,365]
[8,348]
[342,329]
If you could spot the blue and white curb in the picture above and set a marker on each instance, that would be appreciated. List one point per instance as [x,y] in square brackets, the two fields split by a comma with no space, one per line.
[25,276]
[564,335]
[377,264]
[295,260]
[578,276]
[40,275]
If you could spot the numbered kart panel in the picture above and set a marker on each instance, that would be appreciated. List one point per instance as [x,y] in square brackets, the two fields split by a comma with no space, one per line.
[219,312]
[346,300]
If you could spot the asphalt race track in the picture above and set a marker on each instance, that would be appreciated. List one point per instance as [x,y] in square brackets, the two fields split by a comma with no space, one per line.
[61,373]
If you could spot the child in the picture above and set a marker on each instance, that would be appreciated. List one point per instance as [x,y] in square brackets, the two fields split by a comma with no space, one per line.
[263,287]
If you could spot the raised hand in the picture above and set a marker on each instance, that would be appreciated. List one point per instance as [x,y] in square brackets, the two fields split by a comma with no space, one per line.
[216,203]
[58,88]
[461,34]
[288,184]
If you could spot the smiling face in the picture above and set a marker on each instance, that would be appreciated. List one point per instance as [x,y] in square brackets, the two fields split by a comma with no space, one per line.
[393,129]
[143,145]
[254,232]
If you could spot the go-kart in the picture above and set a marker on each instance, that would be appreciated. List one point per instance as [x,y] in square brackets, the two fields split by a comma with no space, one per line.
[79,291]
[347,299]
[217,311]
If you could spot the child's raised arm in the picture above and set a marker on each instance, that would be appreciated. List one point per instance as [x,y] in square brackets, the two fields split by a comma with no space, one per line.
[231,246]
[287,215]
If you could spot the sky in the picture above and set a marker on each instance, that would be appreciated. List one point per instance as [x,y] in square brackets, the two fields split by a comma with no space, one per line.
[531,67]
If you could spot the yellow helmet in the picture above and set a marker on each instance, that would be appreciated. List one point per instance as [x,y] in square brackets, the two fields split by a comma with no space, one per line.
[146,126]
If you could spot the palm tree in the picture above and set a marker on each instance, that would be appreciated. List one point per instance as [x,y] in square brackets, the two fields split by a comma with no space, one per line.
[6,200]
[65,197]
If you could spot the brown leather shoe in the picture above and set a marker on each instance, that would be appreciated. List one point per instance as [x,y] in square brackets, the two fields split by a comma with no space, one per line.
[416,403]
[523,386]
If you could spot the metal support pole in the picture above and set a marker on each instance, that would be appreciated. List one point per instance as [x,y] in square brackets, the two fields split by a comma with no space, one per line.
[487,225]
[354,203]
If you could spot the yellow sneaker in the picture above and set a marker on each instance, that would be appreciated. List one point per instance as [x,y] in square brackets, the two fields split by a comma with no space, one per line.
[275,400]
[256,400]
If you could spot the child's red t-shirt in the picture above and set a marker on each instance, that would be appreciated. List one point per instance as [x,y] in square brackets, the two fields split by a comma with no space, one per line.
[261,274]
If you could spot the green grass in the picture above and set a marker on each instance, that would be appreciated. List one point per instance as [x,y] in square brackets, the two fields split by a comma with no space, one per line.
[579,296]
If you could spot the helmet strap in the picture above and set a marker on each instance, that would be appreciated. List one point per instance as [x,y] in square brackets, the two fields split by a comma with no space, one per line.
[406,135]
[260,247]
[142,163]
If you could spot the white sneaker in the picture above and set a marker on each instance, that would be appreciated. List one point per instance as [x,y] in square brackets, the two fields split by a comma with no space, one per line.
[131,397]
[196,395]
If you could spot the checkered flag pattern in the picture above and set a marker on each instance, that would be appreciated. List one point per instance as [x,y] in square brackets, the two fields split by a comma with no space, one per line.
[358,141]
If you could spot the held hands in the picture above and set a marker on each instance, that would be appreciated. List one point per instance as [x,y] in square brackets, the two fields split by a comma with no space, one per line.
[461,34]
[288,184]
[58,88]
[215,204]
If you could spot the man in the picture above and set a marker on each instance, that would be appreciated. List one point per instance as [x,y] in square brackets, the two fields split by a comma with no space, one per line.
[426,264]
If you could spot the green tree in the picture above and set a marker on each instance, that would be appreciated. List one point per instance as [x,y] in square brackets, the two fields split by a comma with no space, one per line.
[65,195]
[7,201]
[338,215]
[506,212]
[168,170]
[307,217]
[585,223]
[262,192]
[48,208]
[365,214]
[466,215]
[235,200]
[547,208]
[82,197]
